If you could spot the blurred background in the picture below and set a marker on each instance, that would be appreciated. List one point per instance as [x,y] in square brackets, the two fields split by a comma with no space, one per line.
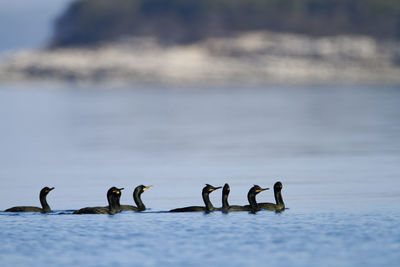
[201,42]
[27,25]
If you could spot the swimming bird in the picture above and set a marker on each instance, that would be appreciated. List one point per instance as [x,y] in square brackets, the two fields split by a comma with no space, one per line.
[206,198]
[42,196]
[136,197]
[251,197]
[225,204]
[113,197]
[279,205]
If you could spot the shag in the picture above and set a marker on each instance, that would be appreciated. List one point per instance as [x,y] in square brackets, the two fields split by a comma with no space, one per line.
[251,196]
[113,197]
[279,205]
[42,196]
[136,197]
[225,204]
[206,198]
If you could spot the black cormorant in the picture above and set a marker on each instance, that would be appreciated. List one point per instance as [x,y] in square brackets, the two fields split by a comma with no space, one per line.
[113,197]
[136,197]
[42,196]
[225,205]
[206,198]
[279,205]
[251,196]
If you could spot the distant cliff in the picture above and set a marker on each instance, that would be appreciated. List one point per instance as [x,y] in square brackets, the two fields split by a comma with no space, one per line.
[88,22]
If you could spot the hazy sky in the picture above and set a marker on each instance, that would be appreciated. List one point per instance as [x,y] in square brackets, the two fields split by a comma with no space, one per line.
[27,23]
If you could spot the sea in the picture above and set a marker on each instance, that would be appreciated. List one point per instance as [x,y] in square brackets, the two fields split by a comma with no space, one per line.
[336,150]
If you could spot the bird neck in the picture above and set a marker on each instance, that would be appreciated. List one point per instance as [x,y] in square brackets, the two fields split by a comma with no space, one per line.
[113,204]
[207,202]
[278,198]
[138,200]
[225,203]
[45,206]
[252,202]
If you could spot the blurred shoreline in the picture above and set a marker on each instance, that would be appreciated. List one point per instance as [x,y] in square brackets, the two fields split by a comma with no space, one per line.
[255,58]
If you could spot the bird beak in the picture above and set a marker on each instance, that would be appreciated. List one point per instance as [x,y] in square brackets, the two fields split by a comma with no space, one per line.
[51,189]
[215,188]
[146,187]
[262,189]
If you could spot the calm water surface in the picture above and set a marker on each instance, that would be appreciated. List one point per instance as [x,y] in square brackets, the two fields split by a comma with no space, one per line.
[336,150]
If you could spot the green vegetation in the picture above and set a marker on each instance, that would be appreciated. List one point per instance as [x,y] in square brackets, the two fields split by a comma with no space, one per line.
[88,22]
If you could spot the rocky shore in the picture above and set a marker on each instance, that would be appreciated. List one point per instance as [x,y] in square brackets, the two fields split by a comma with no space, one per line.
[249,58]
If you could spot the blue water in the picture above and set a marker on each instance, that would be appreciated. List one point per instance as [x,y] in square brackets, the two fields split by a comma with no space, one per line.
[238,239]
[335,149]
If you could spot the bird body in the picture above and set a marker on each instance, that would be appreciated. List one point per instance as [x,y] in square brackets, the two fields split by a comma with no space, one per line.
[237,208]
[206,198]
[189,209]
[42,196]
[267,206]
[137,198]
[279,205]
[113,197]
[92,210]
[24,209]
